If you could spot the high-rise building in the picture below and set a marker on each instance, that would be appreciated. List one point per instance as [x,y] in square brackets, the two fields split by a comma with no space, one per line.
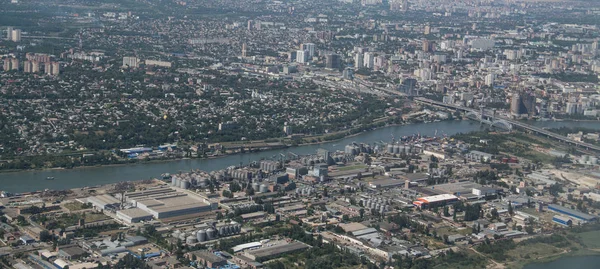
[310,47]
[132,62]
[358,60]
[16,35]
[407,86]
[427,46]
[404,5]
[35,67]
[348,73]
[27,66]
[14,64]
[332,61]
[250,24]
[302,56]
[9,33]
[55,68]
[369,59]
[427,30]
[522,103]
[489,79]
[7,64]
[244,50]
[48,68]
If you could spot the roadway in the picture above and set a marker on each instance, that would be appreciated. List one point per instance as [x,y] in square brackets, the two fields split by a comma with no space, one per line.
[514,123]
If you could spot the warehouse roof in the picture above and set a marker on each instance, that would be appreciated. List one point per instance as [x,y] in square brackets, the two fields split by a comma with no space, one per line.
[438,198]
[571,212]
[104,199]
[241,247]
[278,249]
[134,213]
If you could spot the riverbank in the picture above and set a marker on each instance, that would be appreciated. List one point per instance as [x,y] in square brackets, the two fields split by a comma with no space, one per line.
[33,180]
[547,261]
[241,143]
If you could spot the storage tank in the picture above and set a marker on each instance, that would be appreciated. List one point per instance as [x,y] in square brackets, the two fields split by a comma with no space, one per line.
[396,149]
[201,236]
[264,188]
[256,187]
[182,236]
[210,233]
[191,240]
[238,228]
[184,184]
[176,233]
[229,229]
[177,182]
[222,231]
[174,181]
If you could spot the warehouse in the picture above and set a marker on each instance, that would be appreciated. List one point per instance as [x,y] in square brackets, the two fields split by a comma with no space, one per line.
[167,203]
[104,201]
[435,201]
[204,257]
[562,220]
[133,215]
[386,183]
[571,213]
[267,253]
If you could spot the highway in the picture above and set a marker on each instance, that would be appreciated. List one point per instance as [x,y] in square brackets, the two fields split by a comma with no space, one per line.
[514,123]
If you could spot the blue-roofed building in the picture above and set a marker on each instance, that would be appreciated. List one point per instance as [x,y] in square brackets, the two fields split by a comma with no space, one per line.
[562,220]
[571,213]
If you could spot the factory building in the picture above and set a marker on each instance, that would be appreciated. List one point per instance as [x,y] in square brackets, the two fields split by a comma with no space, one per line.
[104,201]
[133,215]
[270,252]
[571,213]
[562,220]
[435,201]
[164,202]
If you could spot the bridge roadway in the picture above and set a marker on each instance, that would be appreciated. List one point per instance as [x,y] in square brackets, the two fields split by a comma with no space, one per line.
[513,122]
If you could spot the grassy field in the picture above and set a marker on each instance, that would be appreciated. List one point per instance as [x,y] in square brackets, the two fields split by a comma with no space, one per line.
[351,167]
[74,206]
[590,239]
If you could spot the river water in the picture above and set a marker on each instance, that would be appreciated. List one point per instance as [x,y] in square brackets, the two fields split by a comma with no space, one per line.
[91,176]
[583,262]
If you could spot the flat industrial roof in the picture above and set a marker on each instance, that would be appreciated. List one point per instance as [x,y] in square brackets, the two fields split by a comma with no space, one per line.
[241,247]
[353,226]
[134,213]
[104,199]
[571,212]
[278,249]
[438,198]
[166,200]
[364,231]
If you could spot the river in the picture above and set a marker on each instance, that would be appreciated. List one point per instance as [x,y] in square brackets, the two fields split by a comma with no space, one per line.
[34,180]
[583,262]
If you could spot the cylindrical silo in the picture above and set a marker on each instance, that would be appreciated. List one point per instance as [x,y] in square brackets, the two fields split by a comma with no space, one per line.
[264,188]
[201,236]
[184,184]
[176,234]
[174,181]
[210,233]
[222,231]
[191,240]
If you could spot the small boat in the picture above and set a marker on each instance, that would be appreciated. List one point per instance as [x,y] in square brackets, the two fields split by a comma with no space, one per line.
[49,178]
